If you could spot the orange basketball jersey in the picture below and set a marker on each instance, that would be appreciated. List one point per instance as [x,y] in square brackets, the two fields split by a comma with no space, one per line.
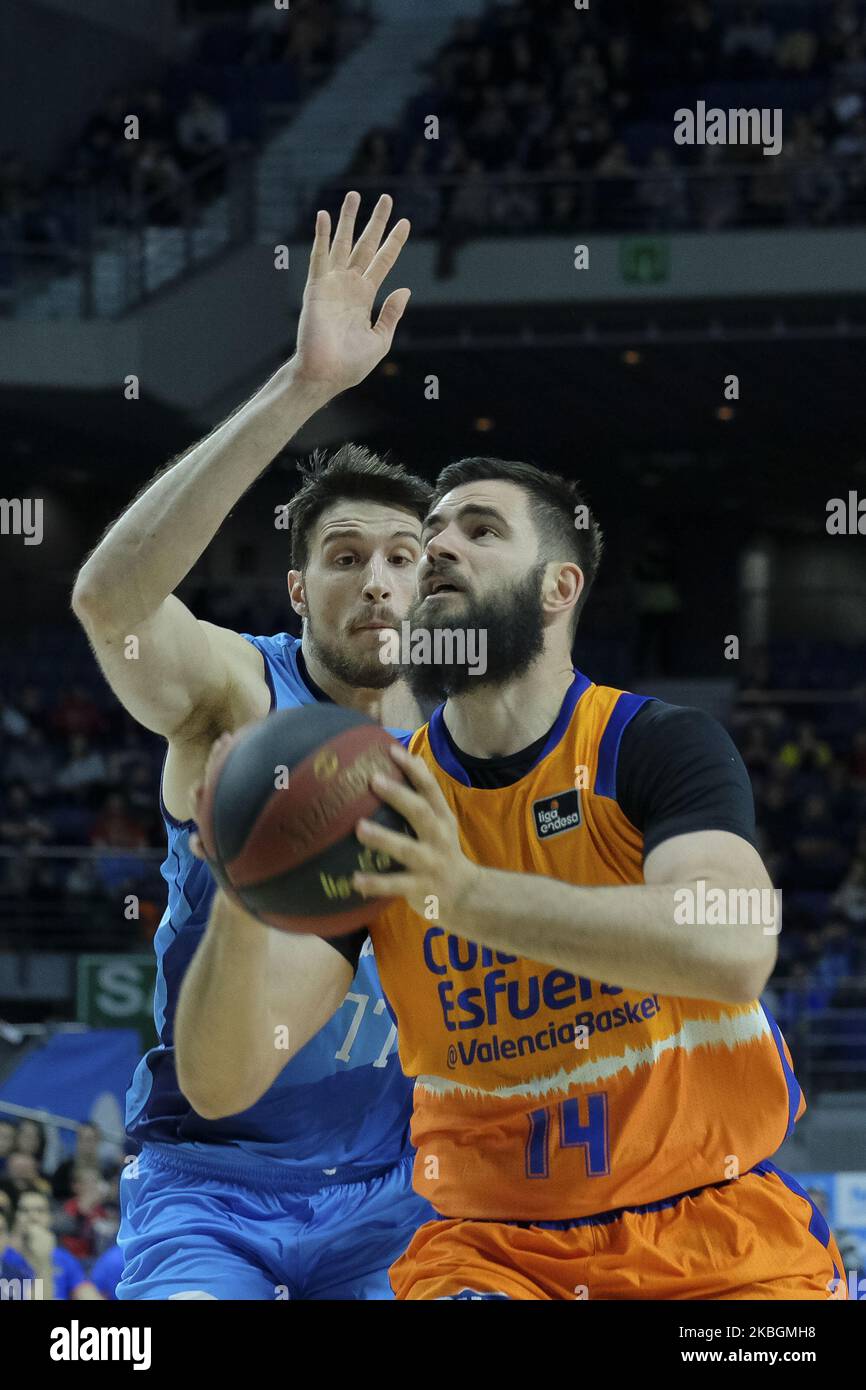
[541,1095]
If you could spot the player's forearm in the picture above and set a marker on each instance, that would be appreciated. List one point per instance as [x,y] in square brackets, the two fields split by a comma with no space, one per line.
[224,1045]
[629,936]
[155,543]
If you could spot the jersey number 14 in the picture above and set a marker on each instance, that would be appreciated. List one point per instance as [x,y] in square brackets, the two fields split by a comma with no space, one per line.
[590,1134]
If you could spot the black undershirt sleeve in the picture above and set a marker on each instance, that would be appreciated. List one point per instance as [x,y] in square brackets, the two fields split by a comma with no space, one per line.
[350,945]
[678,771]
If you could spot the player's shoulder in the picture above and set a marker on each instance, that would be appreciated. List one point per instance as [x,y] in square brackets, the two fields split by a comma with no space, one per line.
[236,650]
[279,646]
[646,713]
[282,672]
[679,771]
[659,721]
[642,739]
[663,740]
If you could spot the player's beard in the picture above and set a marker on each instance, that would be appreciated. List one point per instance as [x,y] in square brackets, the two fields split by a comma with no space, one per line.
[360,670]
[513,620]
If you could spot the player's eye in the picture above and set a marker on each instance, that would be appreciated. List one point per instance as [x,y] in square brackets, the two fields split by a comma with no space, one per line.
[483,529]
[344,561]
[402,560]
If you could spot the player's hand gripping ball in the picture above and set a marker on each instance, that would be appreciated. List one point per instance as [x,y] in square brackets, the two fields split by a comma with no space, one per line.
[438,881]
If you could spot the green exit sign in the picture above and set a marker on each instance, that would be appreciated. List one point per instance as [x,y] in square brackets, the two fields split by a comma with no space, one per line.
[645,260]
[116,991]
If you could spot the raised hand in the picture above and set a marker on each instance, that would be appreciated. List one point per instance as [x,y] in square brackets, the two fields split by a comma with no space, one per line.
[338,342]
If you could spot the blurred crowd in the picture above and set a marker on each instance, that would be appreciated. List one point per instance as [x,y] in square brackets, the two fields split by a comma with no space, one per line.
[120,176]
[231,63]
[78,774]
[538,88]
[531,90]
[59,1211]
[807,764]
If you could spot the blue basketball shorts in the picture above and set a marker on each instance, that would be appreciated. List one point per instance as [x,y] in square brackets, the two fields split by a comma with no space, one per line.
[191,1230]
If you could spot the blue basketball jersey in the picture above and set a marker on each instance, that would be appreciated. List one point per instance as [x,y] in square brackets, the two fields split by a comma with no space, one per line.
[341,1107]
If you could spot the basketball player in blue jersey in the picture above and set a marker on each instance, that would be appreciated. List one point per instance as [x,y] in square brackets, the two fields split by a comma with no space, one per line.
[301,1189]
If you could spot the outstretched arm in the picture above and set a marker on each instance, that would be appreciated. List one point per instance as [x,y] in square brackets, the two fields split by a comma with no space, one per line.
[179,677]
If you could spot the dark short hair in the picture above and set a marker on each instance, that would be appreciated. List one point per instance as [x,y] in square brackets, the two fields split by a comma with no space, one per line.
[351,472]
[553,505]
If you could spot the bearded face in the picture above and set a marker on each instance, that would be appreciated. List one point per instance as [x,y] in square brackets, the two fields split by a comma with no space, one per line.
[511,617]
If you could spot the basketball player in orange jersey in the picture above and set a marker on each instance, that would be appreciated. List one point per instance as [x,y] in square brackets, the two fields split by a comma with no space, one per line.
[599,1091]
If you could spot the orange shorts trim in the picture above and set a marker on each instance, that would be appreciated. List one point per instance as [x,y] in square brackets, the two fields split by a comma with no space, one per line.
[754,1238]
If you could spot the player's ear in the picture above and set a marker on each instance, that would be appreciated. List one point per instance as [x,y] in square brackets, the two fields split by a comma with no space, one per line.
[297,593]
[562,586]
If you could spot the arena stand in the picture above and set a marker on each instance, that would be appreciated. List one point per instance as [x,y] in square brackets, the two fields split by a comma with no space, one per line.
[547,116]
[80,837]
[234,76]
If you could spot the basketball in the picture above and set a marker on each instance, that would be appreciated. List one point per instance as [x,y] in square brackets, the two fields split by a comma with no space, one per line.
[278,813]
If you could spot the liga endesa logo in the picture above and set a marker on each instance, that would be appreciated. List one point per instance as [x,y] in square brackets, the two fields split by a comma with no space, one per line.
[556,814]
